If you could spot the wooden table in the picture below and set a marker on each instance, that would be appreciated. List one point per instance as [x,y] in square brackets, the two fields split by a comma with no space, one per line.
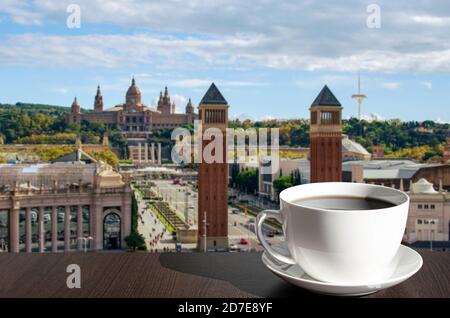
[224,275]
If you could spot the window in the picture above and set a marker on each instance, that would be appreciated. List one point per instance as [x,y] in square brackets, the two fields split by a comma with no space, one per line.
[329,118]
[425,206]
[432,206]
[215,116]
[313,118]
[419,221]
[419,206]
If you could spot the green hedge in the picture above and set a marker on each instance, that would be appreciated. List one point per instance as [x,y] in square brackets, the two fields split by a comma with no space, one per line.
[163,219]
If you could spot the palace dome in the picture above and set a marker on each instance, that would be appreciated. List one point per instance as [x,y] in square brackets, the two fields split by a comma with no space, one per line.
[133,96]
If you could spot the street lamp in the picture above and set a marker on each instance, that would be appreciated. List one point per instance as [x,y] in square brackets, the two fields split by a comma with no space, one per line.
[431,222]
[205,229]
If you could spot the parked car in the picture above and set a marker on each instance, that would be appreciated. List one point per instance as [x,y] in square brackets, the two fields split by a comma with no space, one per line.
[243,241]
[234,248]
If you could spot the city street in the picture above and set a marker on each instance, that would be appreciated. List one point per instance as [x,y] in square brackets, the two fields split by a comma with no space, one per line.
[183,199]
[241,226]
[153,230]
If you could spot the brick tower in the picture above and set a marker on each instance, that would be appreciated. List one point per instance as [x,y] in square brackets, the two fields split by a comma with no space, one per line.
[98,102]
[326,138]
[213,177]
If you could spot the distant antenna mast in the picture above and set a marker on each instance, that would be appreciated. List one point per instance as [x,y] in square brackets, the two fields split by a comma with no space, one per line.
[359,97]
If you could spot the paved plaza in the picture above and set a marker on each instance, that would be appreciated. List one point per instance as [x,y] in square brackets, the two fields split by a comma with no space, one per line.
[183,200]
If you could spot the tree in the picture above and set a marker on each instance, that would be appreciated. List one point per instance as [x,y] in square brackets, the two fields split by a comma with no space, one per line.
[118,140]
[248,180]
[281,183]
[50,153]
[107,156]
[135,241]
[234,173]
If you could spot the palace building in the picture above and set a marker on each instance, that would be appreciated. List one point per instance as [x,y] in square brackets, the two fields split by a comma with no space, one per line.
[133,117]
[70,204]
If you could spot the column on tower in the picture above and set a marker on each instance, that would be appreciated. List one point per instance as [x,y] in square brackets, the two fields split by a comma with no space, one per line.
[213,177]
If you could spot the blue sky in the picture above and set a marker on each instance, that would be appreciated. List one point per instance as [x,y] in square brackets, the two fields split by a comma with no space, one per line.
[270,58]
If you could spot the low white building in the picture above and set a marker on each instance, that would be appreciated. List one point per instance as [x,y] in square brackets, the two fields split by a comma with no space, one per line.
[429,213]
[351,150]
[286,168]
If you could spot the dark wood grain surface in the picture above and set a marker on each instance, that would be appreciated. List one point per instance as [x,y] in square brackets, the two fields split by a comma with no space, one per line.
[195,275]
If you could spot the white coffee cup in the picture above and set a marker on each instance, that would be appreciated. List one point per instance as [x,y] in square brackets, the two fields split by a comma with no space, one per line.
[340,246]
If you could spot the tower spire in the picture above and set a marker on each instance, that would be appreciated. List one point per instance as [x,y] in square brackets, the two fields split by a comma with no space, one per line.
[98,101]
[359,97]
[75,106]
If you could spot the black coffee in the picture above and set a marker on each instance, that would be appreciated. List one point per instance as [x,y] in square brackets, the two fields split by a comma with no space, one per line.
[344,203]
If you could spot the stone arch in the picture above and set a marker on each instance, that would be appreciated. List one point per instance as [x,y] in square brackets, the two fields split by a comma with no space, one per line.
[112,229]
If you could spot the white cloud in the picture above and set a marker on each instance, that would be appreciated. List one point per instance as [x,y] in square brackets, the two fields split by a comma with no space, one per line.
[372,117]
[376,116]
[267,117]
[298,35]
[431,20]
[440,121]
[113,51]
[427,84]
[391,85]
[180,102]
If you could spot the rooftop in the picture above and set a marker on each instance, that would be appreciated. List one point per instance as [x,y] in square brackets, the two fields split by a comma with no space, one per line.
[326,98]
[43,175]
[388,168]
[352,146]
[213,96]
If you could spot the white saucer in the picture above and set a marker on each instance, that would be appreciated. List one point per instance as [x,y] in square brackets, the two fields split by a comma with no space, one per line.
[406,262]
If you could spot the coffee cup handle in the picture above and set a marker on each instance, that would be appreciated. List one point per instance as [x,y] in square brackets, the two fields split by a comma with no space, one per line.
[274,214]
